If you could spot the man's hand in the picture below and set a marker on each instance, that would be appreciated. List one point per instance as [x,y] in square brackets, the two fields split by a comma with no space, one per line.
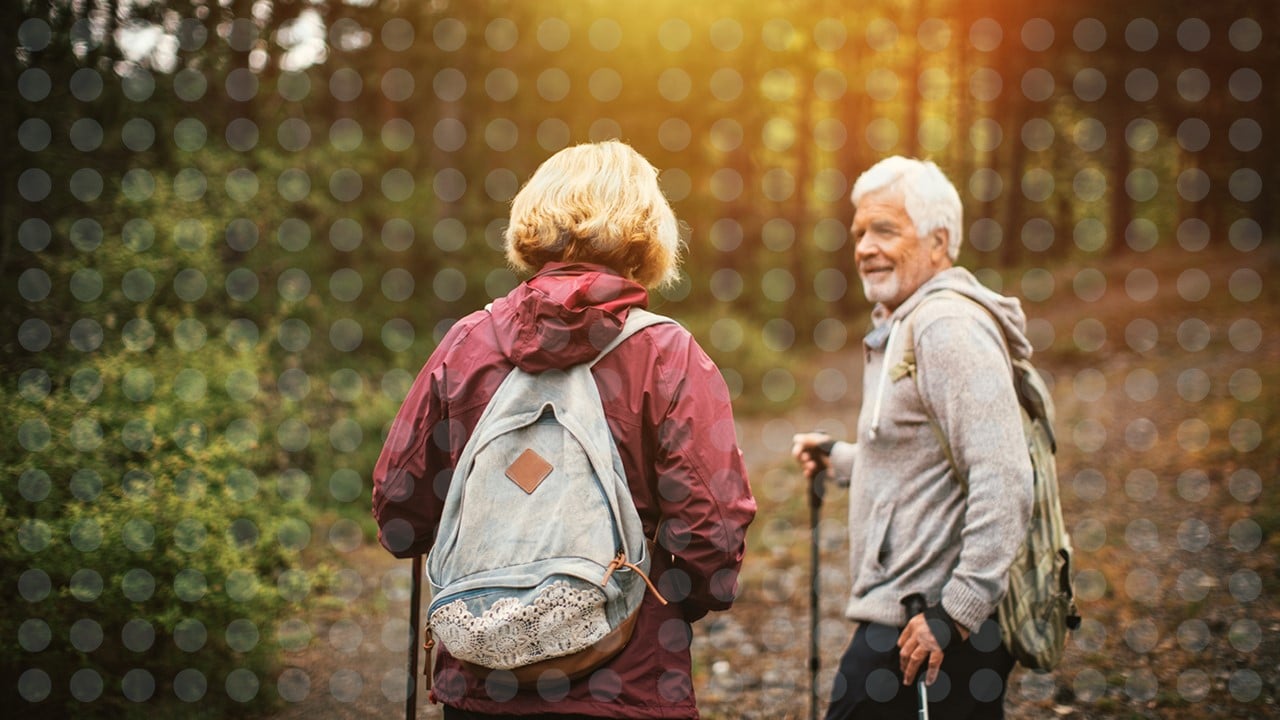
[807,449]
[918,643]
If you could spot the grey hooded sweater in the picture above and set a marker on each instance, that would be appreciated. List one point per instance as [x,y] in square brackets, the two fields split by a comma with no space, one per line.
[913,528]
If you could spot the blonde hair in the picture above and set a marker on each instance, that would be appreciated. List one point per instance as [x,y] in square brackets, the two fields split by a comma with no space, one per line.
[931,201]
[597,203]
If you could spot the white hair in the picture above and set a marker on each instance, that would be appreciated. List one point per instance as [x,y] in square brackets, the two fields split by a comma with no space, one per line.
[931,201]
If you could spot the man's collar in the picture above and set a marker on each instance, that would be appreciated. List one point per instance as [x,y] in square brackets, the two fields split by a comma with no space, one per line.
[882,317]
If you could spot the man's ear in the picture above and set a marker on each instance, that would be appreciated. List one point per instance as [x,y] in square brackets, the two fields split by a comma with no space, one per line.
[939,242]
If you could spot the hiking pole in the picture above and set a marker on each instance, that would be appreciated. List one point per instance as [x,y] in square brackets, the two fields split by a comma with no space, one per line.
[815,507]
[915,605]
[415,601]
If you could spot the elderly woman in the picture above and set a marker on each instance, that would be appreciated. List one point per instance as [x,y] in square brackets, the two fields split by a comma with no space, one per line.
[594,228]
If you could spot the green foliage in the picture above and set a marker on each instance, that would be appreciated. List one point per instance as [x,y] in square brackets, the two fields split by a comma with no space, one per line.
[144,524]
[163,457]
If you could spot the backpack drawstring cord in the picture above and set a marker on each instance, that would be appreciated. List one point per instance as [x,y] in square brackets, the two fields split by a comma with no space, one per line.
[620,561]
[429,645]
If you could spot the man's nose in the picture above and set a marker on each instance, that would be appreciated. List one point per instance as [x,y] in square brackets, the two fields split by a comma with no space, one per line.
[864,248]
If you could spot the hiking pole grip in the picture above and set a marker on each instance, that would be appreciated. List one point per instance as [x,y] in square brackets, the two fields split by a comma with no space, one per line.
[914,604]
[817,483]
[415,605]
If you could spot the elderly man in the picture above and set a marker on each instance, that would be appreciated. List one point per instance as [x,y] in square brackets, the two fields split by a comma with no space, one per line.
[915,527]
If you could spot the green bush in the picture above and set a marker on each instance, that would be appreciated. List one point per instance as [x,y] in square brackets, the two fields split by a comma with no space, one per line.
[151,560]
[152,553]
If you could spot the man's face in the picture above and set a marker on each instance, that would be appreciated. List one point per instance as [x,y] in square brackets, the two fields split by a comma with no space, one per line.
[892,260]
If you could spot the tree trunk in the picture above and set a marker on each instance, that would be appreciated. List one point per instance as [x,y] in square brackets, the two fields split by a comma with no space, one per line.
[800,215]
[853,160]
[1119,206]
[1015,115]
[914,98]
[962,159]
[10,18]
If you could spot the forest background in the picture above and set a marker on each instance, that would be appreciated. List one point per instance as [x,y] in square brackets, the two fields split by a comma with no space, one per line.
[231,232]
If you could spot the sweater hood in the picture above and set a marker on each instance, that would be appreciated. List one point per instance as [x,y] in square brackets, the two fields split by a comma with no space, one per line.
[1007,311]
[564,315]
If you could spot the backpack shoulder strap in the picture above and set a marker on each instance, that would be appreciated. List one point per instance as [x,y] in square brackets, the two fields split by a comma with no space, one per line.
[1033,394]
[908,366]
[637,320]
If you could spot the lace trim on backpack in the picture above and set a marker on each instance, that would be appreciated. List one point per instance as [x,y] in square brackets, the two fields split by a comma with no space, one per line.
[562,620]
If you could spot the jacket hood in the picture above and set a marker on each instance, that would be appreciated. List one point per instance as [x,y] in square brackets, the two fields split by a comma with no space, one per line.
[563,315]
[1006,310]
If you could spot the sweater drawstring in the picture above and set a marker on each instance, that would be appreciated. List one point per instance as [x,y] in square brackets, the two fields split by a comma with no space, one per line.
[884,378]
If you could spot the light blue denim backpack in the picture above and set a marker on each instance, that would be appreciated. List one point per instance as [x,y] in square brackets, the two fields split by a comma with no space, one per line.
[540,562]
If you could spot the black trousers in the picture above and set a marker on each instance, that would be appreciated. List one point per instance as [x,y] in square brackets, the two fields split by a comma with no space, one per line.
[970,684]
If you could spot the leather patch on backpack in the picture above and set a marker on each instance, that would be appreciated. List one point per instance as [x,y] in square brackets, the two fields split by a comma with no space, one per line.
[529,470]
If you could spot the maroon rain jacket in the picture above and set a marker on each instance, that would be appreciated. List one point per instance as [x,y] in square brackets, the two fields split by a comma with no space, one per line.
[668,409]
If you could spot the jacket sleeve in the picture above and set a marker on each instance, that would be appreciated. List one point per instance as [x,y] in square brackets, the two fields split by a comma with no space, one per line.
[703,492]
[966,380]
[844,455]
[412,473]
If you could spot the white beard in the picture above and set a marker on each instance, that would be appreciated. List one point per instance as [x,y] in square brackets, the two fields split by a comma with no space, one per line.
[882,289]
